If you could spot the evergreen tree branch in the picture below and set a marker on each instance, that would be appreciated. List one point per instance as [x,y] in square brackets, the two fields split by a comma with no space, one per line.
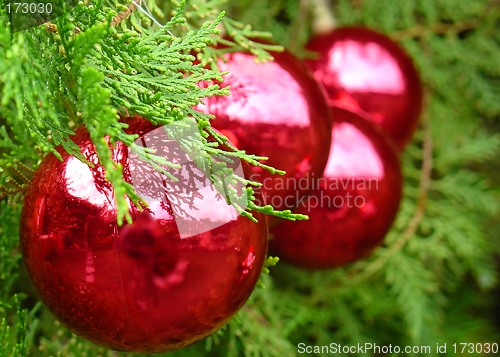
[101,67]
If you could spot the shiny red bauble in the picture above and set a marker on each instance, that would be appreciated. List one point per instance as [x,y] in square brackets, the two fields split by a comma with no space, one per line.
[364,69]
[163,282]
[276,109]
[352,207]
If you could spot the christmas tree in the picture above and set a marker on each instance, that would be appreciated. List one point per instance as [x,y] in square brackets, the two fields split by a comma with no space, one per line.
[432,284]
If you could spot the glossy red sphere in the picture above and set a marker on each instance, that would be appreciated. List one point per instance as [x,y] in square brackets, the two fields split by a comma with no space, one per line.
[364,69]
[277,110]
[150,286]
[352,207]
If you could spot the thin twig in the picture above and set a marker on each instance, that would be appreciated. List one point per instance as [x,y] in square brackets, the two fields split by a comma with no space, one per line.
[148,14]
[124,14]
[437,29]
[136,4]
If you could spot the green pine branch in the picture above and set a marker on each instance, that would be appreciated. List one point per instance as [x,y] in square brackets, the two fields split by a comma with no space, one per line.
[94,71]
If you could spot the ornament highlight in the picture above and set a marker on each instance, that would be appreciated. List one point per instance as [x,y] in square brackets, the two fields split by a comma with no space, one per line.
[352,206]
[364,69]
[278,110]
[175,275]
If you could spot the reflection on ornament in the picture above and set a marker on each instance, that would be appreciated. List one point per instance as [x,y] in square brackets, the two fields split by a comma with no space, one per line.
[363,69]
[169,279]
[353,205]
[277,110]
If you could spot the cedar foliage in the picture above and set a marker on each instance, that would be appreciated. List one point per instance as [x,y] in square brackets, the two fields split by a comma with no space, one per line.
[430,283]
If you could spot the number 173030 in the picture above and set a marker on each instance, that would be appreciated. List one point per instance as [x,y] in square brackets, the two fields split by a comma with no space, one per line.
[29,8]
[475,347]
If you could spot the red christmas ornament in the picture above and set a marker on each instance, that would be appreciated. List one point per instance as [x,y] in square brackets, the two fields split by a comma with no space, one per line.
[353,205]
[177,274]
[276,109]
[364,69]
